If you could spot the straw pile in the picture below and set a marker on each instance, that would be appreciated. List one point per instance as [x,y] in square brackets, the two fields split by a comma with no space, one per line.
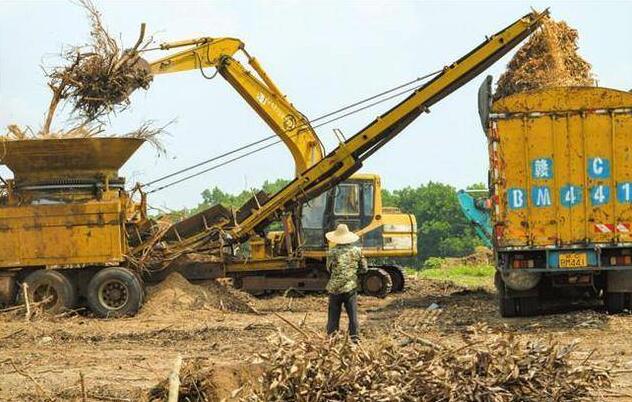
[490,367]
[548,59]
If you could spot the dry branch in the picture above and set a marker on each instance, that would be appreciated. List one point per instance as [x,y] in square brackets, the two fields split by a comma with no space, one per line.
[489,368]
[97,78]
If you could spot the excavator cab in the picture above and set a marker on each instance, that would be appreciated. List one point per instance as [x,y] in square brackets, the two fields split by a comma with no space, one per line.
[357,202]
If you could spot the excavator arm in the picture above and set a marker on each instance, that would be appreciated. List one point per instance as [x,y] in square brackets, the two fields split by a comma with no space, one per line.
[347,158]
[254,86]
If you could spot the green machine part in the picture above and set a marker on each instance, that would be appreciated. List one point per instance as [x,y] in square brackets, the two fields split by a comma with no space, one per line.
[474,205]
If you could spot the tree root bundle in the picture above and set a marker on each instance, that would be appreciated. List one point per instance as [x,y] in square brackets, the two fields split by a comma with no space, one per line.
[97,78]
[490,367]
[548,59]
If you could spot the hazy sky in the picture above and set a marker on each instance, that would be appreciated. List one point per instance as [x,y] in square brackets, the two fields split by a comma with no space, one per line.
[322,54]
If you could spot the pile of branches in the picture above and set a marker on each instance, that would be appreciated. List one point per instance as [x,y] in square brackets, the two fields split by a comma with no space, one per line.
[548,59]
[97,78]
[490,367]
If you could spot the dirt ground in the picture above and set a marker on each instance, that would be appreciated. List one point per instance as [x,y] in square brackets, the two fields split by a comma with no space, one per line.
[121,359]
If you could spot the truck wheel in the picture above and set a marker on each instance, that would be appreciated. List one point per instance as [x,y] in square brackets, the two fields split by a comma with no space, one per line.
[376,282]
[52,286]
[397,277]
[506,305]
[615,302]
[528,306]
[114,292]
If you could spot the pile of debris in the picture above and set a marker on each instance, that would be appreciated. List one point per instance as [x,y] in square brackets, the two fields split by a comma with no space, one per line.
[176,294]
[548,59]
[95,79]
[196,384]
[489,367]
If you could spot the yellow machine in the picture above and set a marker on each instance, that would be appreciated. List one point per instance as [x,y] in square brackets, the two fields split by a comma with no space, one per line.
[295,258]
[67,205]
[561,181]
[63,220]
[356,202]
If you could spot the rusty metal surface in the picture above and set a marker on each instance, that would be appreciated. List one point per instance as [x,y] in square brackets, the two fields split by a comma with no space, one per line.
[7,288]
[81,233]
[46,159]
[561,167]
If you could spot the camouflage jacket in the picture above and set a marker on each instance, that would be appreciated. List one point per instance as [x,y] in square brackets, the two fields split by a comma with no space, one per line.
[344,263]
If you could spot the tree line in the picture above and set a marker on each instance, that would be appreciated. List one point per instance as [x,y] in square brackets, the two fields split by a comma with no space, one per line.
[443,230]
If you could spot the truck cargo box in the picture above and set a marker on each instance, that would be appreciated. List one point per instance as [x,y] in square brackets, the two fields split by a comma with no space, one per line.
[561,168]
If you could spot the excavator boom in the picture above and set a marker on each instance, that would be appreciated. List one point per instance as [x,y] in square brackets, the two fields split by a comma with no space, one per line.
[347,158]
[255,87]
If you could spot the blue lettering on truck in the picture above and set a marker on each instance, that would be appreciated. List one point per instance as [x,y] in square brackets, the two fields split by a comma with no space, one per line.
[599,195]
[570,195]
[541,196]
[517,198]
[624,192]
[598,168]
[542,168]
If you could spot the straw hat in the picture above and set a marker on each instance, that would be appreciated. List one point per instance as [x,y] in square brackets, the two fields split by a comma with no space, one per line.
[342,235]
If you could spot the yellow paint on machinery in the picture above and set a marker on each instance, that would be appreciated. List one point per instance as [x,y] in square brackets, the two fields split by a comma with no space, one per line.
[66,205]
[561,163]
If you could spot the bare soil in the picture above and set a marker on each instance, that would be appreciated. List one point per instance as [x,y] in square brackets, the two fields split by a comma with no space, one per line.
[221,330]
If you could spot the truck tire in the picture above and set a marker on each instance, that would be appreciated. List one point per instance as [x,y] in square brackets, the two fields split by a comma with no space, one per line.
[43,284]
[528,306]
[376,282]
[506,304]
[114,292]
[397,277]
[615,302]
[507,307]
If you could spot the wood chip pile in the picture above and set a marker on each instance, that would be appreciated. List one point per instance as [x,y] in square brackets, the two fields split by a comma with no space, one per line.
[490,367]
[548,59]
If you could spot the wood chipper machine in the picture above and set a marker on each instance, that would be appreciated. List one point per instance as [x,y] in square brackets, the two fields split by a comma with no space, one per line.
[63,224]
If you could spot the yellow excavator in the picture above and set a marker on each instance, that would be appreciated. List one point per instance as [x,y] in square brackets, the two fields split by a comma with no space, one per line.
[384,232]
[326,190]
[70,231]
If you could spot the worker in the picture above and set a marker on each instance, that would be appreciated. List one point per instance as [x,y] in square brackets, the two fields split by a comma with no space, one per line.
[344,263]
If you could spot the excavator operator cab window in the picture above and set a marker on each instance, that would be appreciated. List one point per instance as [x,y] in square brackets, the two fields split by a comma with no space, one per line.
[312,221]
[347,200]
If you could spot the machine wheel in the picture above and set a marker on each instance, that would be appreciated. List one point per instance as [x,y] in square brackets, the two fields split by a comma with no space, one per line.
[528,306]
[615,302]
[506,305]
[376,282]
[514,306]
[114,292]
[397,277]
[45,284]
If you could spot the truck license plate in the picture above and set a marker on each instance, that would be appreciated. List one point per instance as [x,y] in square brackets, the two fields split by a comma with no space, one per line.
[573,260]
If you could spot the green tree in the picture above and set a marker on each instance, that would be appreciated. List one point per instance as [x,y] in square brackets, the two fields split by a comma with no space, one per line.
[443,231]
[215,195]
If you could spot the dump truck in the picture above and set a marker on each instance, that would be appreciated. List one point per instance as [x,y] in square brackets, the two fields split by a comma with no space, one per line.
[73,231]
[560,169]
